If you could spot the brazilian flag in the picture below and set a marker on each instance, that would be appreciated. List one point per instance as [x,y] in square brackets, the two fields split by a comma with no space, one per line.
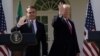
[19,11]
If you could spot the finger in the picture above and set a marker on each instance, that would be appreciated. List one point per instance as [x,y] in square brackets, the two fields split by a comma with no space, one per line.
[60,3]
[23,18]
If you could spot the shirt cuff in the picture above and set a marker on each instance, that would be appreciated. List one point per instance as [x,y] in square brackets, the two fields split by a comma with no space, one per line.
[18,25]
[60,16]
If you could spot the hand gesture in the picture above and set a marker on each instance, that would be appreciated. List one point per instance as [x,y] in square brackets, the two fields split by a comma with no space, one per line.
[60,7]
[22,21]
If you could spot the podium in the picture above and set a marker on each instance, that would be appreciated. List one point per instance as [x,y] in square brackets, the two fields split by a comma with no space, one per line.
[16,44]
[94,36]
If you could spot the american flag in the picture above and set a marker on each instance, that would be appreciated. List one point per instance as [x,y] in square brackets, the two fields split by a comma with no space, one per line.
[89,49]
[4,51]
[2,19]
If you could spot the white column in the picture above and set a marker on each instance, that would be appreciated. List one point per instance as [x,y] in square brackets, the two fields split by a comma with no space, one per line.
[8,11]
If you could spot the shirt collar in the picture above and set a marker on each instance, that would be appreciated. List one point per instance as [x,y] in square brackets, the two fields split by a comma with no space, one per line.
[34,20]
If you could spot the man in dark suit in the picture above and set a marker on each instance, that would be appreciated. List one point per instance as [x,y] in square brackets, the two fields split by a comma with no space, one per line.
[24,26]
[65,39]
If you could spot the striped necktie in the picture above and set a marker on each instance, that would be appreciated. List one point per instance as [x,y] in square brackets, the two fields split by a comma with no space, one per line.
[69,26]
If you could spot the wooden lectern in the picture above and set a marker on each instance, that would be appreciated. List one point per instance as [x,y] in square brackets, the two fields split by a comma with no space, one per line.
[18,45]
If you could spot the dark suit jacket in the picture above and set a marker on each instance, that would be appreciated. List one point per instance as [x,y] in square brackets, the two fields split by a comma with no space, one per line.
[40,36]
[65,43]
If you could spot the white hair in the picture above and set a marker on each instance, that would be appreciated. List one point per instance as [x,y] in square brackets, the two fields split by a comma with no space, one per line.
[66,6]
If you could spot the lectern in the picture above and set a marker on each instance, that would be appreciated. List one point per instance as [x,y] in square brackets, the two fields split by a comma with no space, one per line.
[94,36]
[17,43]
